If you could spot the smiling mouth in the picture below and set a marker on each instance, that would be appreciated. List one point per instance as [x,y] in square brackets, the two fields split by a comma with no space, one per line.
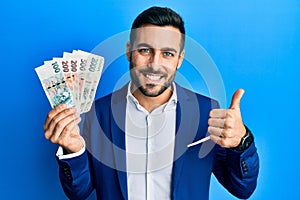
[153,77]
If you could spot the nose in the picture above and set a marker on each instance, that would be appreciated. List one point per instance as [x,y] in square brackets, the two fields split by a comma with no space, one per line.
[155,58]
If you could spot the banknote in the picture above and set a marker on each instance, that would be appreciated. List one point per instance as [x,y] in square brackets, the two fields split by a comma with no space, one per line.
[81,59]
[68,77]
[70,65]
[72,79]
[92,76]
[96,67]
[54,84]
[84,78]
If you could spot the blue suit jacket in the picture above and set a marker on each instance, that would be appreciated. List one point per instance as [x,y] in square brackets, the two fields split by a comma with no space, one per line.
[103,165]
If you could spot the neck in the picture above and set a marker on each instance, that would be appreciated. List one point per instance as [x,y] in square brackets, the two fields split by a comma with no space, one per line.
[150,103]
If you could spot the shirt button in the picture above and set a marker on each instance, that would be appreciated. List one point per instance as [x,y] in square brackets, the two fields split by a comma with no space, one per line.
[149,120]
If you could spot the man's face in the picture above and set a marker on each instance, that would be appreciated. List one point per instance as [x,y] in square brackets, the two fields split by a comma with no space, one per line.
[154,58]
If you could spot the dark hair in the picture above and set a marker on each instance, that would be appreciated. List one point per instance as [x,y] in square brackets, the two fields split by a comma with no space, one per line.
[159,16]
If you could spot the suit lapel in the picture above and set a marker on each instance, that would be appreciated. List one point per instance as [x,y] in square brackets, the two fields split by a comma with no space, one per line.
[186,129]
[177,165]
[118,109]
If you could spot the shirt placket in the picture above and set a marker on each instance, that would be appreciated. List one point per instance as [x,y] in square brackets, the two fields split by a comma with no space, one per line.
[148,160]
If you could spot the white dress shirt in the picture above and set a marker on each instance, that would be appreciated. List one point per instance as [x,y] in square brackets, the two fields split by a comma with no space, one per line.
[150,148]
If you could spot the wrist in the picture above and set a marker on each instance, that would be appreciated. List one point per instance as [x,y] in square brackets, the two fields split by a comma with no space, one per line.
[74,147]
[246,141]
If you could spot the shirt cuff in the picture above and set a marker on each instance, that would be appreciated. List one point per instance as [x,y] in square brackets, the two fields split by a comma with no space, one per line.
[60,153]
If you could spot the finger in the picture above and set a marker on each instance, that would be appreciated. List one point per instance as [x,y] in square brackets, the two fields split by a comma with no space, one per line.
[63,114]
[59,121]
[52,114]
[69,112]
[215,131]
[228,121]
[217,122]
[223,142]
[216,139]
[64,128]
[218,113]
[227,133]
[72,128]
[236,99]
[61,125]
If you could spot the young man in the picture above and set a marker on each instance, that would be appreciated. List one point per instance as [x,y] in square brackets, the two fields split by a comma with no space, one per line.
[134,143]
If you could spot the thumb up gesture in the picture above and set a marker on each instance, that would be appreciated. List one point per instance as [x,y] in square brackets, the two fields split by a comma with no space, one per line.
[226,125]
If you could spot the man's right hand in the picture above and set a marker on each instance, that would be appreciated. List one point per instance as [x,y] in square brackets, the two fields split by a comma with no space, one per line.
[61,127]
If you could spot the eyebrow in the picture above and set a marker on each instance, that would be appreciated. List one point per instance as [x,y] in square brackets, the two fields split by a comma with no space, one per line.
[169,49]
[149,46]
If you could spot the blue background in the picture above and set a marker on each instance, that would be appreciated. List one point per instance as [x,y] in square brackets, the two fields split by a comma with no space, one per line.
[255,44]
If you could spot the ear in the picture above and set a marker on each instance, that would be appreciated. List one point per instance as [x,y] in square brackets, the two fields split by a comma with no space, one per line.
[128,52]
[181,56]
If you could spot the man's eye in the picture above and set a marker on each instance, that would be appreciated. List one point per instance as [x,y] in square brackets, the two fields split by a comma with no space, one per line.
[144,50]
[168,54]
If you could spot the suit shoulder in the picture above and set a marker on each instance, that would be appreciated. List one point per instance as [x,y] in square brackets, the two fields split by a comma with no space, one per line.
[114,97]
[202,99]
[105,98]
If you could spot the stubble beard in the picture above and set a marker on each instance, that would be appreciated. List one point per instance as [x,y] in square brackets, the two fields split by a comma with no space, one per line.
[146,89]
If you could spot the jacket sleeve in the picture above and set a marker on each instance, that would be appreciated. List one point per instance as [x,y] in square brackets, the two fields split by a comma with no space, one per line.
[75,176]
[237,171]
[75,173]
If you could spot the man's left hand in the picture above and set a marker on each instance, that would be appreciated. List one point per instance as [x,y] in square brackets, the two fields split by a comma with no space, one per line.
[226,126]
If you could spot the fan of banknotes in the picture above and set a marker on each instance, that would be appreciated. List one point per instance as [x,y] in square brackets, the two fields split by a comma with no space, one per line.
[72,79]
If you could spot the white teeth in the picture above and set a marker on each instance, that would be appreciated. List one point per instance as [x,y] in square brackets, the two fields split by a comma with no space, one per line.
[153,77]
